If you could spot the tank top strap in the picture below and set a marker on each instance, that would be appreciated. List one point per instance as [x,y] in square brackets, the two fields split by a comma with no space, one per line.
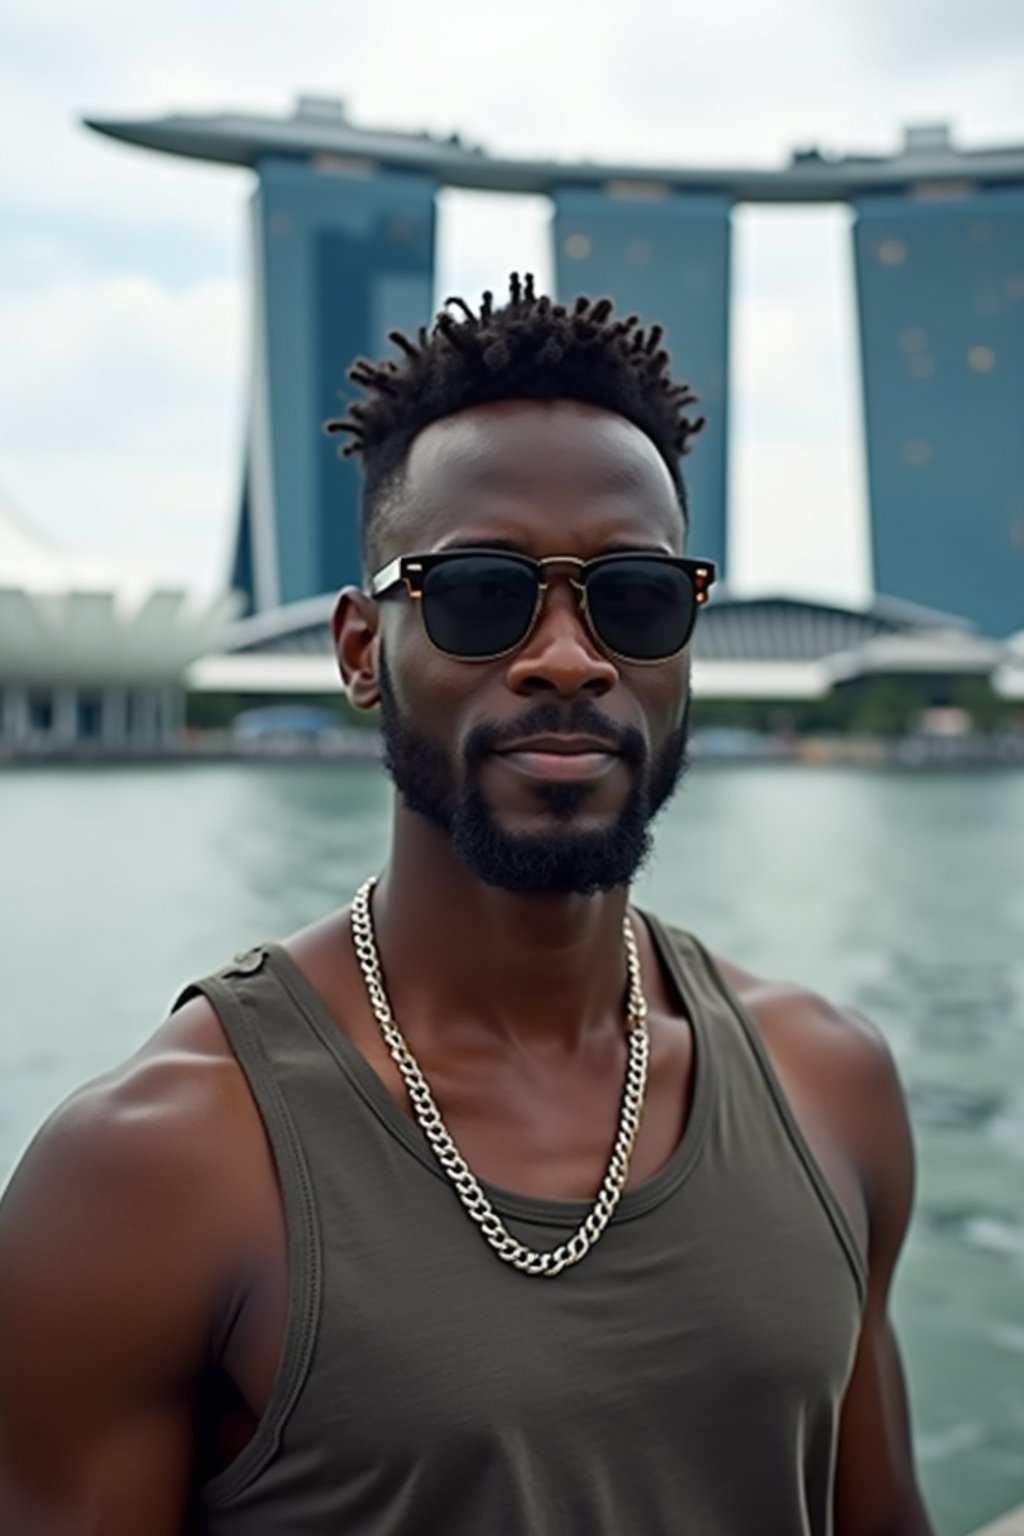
[249,1002]
[745,1070]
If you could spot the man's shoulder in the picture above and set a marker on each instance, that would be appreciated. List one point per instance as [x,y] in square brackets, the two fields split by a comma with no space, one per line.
[828,1053]
[179,1107]
[838,1064]
[836,1045]
[793,1016]
[142,1139]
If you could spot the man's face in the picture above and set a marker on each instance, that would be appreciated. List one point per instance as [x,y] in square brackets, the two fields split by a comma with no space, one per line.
[478,748]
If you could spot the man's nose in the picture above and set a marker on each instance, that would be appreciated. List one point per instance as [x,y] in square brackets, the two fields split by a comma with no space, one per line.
[561,655]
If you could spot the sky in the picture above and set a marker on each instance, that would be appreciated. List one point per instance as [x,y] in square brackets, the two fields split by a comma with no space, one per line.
[123,274]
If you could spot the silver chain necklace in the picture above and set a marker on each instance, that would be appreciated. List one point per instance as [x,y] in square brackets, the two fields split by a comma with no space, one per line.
[447,1153]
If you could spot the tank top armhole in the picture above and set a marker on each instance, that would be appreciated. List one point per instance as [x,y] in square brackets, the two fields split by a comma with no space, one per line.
[833,1210]
[303,1236]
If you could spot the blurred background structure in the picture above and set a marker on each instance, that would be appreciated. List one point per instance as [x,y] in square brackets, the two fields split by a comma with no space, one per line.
[343,234]
[93,655]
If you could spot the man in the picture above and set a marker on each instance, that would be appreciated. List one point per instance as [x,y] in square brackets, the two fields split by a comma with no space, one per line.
[489,1205]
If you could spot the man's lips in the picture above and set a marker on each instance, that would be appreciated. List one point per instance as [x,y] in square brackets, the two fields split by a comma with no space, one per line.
[562,758]
[562,745]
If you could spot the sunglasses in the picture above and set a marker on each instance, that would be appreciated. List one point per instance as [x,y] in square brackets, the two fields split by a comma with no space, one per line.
[481,604]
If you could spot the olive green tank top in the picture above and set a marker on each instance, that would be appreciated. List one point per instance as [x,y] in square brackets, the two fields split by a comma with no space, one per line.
[685,1377]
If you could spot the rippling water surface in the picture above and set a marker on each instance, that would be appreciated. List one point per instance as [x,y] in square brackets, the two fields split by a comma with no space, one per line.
[902,894]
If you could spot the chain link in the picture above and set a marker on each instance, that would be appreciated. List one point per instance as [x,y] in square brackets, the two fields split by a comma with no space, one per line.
[475,1202]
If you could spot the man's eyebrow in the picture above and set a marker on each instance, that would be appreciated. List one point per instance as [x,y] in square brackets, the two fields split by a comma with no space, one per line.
[515,548]
[483,543]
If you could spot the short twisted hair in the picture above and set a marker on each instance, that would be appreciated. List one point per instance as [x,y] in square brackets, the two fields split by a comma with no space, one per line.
[529,348]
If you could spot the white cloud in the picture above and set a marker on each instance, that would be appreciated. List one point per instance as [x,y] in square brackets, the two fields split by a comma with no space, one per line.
[120,416]
[798,500]
[482,236]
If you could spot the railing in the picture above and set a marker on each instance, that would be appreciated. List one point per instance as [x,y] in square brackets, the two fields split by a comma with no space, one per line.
[1011,1524]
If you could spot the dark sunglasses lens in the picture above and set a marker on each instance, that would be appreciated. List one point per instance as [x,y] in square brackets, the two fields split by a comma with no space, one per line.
[641,609]
[478,605]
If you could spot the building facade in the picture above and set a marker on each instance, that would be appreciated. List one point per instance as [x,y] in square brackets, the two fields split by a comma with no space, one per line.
[664,255]
[941,303]
[341,255]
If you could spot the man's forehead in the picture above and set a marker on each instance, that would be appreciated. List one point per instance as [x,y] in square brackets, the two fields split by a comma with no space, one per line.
[517,442]
[495,464]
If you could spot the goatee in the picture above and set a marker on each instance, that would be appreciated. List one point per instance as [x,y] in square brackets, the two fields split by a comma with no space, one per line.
[563,861]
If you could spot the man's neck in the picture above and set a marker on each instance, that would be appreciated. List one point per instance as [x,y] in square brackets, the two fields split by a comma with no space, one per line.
[541,970]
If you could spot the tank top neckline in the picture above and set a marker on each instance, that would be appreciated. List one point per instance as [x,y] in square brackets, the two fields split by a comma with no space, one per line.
[635,1201]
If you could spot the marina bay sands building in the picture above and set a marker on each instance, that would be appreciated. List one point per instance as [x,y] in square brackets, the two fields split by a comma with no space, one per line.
[941,283]
[343,240]
[340,259]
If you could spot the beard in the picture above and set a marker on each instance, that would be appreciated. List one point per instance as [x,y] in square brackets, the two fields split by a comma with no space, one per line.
[564,861]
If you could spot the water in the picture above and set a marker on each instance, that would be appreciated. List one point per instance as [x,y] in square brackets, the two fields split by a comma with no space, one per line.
[902,894]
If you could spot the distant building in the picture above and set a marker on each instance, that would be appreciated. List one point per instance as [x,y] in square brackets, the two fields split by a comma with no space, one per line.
[664,254]
[940,271]
[1008,679]
[342,256]
[344,250]
[92,657]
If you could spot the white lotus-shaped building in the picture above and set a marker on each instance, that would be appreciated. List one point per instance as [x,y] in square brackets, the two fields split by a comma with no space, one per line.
[91,654]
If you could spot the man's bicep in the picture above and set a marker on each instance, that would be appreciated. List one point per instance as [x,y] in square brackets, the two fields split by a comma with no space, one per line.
[94,1346]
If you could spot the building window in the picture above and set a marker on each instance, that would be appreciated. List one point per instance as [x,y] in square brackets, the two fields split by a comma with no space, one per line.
[401,231]
[578,247]
[40,712]
[892,253]
[638,252]
[914,339]
[89,717]
[981,359]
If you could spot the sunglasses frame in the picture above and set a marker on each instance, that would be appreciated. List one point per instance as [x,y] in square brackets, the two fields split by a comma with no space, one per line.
[412,571]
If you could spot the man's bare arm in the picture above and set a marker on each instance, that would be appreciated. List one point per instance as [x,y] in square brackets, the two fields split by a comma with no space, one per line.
[105,1277]
[876,1484]
[841,1082]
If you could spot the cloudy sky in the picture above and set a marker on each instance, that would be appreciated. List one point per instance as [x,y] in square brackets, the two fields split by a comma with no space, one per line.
[123,274]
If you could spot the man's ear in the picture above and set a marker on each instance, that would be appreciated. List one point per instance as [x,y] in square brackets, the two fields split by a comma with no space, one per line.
[354,625]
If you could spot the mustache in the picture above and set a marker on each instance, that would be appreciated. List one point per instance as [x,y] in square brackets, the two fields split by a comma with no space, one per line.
[582,717]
